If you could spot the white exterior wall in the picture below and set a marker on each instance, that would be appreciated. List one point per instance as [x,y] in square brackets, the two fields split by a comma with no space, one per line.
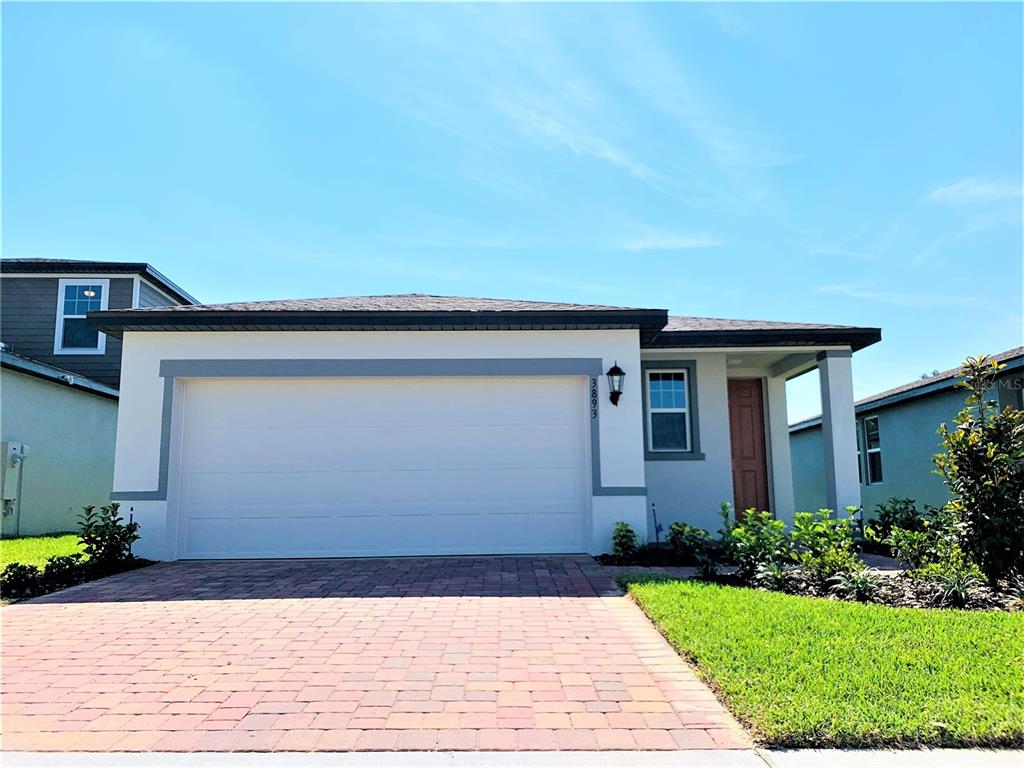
[140,416]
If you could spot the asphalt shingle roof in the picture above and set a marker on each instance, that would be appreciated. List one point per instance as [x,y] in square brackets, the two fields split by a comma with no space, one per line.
[404,302]
[910,387]
[698,324]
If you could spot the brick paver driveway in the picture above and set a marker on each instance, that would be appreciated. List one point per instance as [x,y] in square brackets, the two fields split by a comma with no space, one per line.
[400,654]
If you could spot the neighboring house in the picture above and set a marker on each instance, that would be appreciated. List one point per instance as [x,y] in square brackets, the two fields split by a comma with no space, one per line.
[897,436]
[420,425]
[59,382]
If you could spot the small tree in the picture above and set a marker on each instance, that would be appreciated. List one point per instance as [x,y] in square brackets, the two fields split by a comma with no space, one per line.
[983,466]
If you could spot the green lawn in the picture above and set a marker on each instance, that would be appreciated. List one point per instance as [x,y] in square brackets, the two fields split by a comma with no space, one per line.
[811,672]
[34,550]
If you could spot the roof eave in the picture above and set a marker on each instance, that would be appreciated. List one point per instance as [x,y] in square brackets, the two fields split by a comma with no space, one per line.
[116,322]
[141,268]
[855,338]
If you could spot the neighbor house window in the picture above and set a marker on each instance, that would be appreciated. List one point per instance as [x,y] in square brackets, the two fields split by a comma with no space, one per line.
[873,444]
[73,333]
[860,454]
[668,411]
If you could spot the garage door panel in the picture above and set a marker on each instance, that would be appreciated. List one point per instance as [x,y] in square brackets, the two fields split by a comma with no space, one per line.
[254,449]
[314,468]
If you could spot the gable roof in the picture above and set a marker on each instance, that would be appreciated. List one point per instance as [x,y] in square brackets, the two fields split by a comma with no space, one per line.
[416,311]
[81,267]
[939,382]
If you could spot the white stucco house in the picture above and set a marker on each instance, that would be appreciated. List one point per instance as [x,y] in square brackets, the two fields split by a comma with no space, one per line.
[422,425]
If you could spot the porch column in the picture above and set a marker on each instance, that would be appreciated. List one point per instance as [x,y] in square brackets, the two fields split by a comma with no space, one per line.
[839,430]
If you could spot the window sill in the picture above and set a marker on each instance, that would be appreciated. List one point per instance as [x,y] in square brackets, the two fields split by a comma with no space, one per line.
[79,352]
[673,456]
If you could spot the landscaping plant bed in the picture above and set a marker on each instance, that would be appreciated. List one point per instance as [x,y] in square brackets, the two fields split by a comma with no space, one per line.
[807,672]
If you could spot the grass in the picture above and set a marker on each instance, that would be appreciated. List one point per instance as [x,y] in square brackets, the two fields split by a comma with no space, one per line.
[34,550]
[804,672]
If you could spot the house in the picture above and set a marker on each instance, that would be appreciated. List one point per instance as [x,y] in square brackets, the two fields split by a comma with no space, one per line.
[897,438]
[59,381]
[420,425]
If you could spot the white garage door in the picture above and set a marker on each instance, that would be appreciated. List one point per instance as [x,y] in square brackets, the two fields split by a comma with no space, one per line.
[382,466]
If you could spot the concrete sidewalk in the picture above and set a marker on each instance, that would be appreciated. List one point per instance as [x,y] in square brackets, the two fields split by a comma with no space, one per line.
[746,758]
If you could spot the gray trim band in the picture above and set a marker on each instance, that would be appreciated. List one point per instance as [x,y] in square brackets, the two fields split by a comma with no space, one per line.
[170,370]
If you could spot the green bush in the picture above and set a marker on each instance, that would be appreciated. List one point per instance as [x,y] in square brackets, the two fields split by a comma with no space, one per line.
[756,540]
[18,580]
[983,466]
[106,538]
[898,512]
[860,585]
[915,548]
[778,576]
[624,541]
[62,571]
[688,542]
[823,545]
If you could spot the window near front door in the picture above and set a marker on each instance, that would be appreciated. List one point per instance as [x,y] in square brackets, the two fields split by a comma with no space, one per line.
[668,411]
[860,453]
[873,444]
[74,334]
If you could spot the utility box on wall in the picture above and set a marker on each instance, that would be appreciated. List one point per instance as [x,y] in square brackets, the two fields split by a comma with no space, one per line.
[12,460]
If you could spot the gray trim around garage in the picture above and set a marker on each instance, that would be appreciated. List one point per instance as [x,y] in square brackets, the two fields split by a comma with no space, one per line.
[171,370]
[690,366]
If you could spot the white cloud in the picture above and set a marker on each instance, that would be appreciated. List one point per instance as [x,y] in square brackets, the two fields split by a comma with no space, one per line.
[531,121]
[975,190]
[864,292]
[669,241]
[843,253]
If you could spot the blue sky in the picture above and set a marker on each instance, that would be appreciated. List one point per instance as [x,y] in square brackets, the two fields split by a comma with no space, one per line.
[822,163]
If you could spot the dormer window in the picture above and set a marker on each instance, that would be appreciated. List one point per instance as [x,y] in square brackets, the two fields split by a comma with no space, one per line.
[73,334]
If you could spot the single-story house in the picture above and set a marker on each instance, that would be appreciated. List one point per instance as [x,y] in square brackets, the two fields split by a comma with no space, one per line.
[59,380]
[897,436]
[422,425]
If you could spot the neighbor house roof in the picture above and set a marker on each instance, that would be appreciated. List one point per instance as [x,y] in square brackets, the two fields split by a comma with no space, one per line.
[79,267]
[33,367]
[938,382]
[414,311]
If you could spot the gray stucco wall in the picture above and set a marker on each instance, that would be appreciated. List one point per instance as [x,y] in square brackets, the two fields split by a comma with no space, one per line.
[909,439]
[29,318]
[70,434]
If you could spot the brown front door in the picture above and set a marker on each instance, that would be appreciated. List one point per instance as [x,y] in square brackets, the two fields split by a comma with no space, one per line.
[746,429]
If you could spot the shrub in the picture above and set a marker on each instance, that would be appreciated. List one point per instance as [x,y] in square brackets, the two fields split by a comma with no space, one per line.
[778,576]
[688,542]
[898,512]
[915,548]
[824,545]
[955,581]
[106,538]
[19,580]
[62,571]
[983,466]
[861,585]
[757,540]
[624,541]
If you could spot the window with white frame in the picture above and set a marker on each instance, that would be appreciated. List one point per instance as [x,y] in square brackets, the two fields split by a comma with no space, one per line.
[860,453]
[668,410]
[73,333]
[873,448]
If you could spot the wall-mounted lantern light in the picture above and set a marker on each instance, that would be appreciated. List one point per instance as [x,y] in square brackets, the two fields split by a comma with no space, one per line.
[615,377]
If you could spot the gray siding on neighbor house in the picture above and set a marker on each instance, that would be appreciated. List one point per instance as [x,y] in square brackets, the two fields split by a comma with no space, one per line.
[908,433]
[29,318]
[151,297]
